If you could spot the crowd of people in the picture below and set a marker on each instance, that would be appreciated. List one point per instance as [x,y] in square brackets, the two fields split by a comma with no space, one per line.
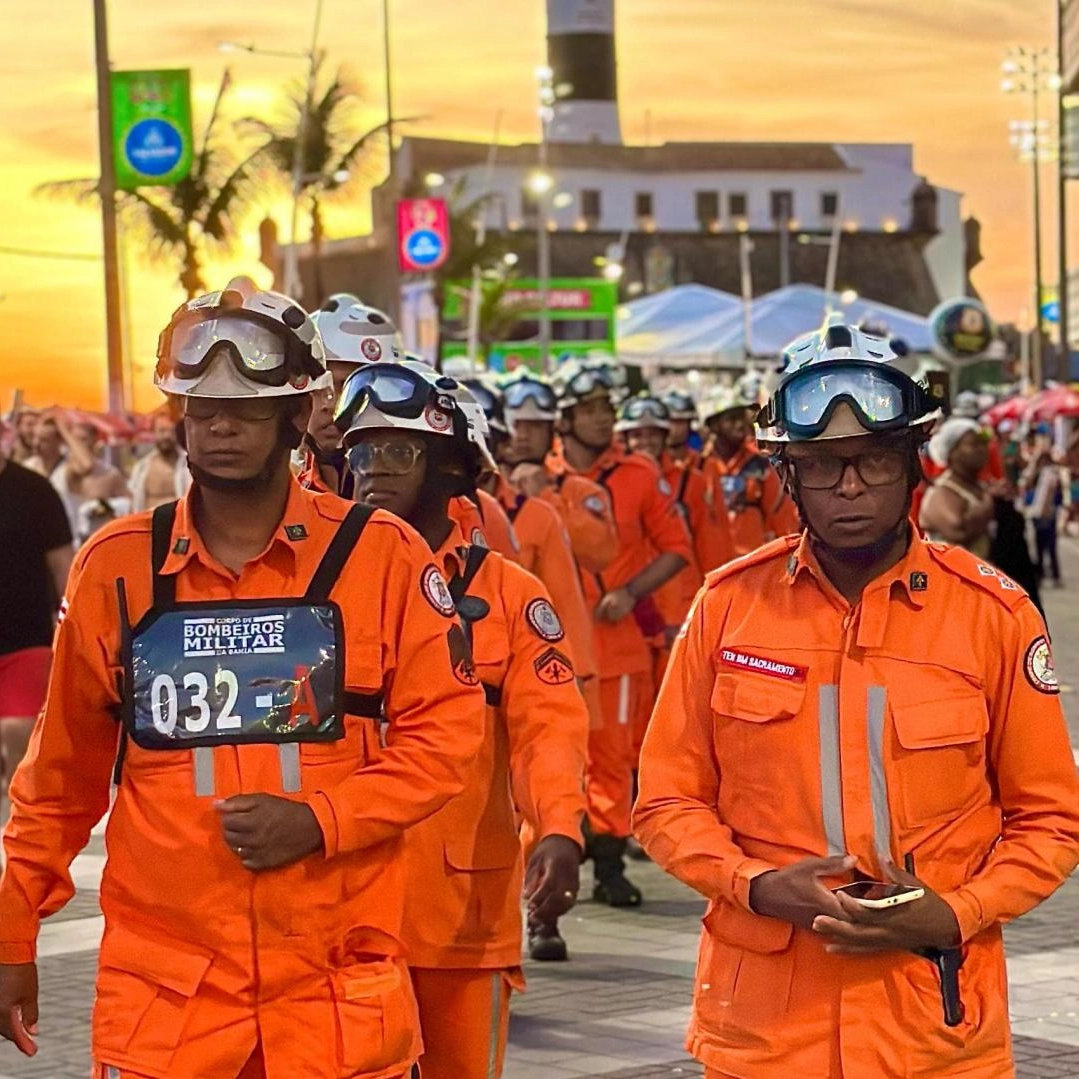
[366,656]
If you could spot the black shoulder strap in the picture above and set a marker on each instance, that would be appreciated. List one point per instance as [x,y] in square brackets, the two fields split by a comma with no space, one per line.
[605,475]
[473,561]
[681,496]
[337,554]
[163,521]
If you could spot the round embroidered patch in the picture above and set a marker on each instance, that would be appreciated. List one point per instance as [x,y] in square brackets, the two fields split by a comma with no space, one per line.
[1039,668]
[542,618]
[478,538]
[371,349]
[436,591]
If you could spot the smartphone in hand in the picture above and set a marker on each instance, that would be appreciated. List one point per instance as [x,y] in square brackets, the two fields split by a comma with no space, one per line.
[879,895]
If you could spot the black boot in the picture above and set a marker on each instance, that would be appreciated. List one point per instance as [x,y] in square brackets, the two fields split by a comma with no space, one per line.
[545,944]
[611,886]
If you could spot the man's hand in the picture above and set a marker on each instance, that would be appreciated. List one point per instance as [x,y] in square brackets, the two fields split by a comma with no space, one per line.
[616,605]
[795,894]
[552,879]
[266,832]
[923,923]
[18,1005]
[530,480]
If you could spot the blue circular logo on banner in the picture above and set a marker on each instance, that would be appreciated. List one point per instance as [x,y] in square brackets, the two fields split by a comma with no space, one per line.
[424,247]
[153,147]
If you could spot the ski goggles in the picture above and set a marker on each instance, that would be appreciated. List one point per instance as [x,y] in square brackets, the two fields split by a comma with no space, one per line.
[588,381]
[490,402]
[680,406]
[259,351]
[644,412]
[516,395]
[394,391]
[881,398]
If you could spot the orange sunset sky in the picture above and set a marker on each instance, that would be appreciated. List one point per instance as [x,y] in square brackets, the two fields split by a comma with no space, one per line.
[920,71]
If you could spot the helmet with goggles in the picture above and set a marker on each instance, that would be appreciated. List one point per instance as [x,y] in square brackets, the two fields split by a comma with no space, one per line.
[526,396]
[721,399]
[642,412]
[489,398]
[240,342]
[355,332]
[582,380]
[680,406]
[842,365]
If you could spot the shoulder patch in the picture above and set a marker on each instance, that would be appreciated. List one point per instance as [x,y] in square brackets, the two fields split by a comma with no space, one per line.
[543,619]
[595,504]
[961,563]
[436,591]
[777,549]
[1039,668]
[664,488]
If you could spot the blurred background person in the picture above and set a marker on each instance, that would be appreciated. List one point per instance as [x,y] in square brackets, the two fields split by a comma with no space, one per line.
[25,424]
[1043,488]
[957,508]
[161,475]
[35,537]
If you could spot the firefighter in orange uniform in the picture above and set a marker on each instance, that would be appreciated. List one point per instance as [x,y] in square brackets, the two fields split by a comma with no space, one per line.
[739,476]
[902,726]
[256,875]
[531,410]
[654,547]
[683,415]
[412,449]
[353,333]
[643,423]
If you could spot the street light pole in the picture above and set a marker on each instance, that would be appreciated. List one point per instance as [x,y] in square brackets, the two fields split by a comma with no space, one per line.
[543,236]
[1038,358]
[107,192]
[292,282]
[1062,201]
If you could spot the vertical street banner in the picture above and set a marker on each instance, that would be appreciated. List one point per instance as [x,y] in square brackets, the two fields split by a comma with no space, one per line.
[151,127]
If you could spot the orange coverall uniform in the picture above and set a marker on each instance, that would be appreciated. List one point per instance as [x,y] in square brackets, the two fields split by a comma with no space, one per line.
[648,525]
[920,722]
[585,509]
[464,863]
[749,486]
[546,554]
[487,525]
[204,963]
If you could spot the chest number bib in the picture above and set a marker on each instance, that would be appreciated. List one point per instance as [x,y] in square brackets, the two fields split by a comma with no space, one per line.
[234,673]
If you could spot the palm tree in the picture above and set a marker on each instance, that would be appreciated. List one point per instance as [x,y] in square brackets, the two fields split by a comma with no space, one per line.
[200,214]
[331,154]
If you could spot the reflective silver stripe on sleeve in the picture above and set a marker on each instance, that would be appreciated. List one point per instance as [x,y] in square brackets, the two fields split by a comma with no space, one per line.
[878,781]
[623,700]
[288,754]
[204,772]
[831,779]
[496,1024]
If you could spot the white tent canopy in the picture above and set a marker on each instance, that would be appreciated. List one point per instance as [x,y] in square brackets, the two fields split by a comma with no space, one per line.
[681,333]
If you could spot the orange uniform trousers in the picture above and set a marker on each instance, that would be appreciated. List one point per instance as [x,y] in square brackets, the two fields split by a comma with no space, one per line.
[253,1069]
[612,751]
[465,1017]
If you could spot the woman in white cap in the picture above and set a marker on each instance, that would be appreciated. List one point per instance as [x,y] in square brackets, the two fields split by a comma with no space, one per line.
[957,509]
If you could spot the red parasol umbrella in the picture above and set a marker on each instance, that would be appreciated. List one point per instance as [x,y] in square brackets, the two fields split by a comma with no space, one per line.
[1053,402]
[1011,408]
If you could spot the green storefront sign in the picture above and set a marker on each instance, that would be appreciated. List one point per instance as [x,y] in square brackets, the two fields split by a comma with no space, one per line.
[151,127]
[582,312]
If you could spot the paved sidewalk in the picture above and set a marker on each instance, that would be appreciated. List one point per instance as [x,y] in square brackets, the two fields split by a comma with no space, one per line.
[619,1009]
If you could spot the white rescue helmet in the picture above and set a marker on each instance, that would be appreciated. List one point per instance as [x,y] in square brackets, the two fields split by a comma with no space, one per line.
[240,342]
[841,382]
[355,332]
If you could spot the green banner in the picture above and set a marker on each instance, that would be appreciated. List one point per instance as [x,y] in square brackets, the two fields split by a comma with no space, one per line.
[151,127]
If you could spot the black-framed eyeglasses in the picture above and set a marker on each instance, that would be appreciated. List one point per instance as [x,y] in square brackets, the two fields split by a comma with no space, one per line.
[875,468]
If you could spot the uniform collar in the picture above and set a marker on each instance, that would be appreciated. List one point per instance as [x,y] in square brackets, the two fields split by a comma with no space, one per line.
[557,464]
[913,573]
[450,557]
[186,543]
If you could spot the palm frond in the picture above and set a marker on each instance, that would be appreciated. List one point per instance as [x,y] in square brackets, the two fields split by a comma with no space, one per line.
[77,191]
